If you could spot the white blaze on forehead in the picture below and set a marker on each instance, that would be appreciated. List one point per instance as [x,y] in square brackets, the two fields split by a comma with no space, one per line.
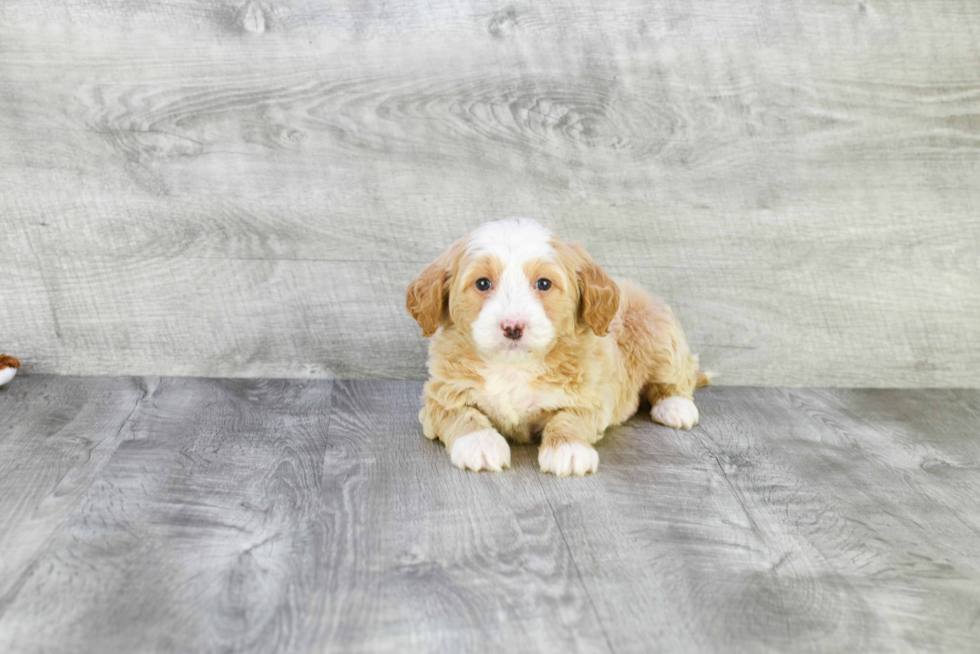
[514,240]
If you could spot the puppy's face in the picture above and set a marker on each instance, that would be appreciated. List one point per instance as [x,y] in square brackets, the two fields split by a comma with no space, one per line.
[513,288]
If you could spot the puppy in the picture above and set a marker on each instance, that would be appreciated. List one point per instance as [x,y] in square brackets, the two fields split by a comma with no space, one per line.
[532,339]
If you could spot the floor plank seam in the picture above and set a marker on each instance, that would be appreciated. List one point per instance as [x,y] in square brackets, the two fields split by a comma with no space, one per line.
[137,408]
[9,598]
[735,493]
[578,572]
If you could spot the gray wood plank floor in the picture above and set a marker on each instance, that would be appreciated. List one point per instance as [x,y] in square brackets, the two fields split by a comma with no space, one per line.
[185,514]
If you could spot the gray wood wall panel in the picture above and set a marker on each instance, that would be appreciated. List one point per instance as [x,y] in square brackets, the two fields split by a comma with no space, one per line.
[203,188]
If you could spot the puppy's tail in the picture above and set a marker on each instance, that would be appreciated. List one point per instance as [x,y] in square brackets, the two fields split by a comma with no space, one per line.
[705,378]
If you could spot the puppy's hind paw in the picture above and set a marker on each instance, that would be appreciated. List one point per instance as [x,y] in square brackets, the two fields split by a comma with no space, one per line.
[676,412]
[567,459]
[481,450]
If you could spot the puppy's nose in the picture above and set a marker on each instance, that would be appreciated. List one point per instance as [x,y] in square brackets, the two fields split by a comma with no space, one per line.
[513,329]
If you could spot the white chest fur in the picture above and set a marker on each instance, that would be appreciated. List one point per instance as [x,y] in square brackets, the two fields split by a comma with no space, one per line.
[512,393]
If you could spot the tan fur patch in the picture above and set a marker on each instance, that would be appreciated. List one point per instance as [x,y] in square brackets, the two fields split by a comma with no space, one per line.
[7,361]
[560,301]
[465,300]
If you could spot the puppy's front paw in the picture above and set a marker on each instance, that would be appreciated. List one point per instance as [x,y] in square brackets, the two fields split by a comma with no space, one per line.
[481,450]
[676,412]
[568,459]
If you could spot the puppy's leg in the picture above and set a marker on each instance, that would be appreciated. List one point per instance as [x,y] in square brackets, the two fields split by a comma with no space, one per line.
[472,442]
[672,379]
[566,445]
[656,354]
[671,396]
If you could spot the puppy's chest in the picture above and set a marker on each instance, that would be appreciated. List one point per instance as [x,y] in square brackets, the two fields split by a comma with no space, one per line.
[513,397]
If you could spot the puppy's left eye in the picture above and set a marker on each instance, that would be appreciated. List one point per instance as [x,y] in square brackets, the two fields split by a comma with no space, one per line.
[543,284]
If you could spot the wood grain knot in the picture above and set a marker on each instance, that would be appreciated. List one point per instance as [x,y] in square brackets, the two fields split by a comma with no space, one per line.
[503,23]
[251,17]
[784,608]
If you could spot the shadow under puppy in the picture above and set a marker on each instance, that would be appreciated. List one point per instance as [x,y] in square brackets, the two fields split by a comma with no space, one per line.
[531,338]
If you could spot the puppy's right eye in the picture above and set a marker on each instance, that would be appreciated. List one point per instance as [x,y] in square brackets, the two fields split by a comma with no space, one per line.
[483,284]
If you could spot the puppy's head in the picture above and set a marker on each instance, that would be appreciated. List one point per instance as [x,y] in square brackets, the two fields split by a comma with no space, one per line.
[513,288]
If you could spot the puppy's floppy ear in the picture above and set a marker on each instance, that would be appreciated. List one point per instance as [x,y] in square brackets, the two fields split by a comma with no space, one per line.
[428,295]
[600,294]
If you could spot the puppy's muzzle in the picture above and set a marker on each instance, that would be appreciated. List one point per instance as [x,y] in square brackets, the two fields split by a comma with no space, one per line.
[513,329]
